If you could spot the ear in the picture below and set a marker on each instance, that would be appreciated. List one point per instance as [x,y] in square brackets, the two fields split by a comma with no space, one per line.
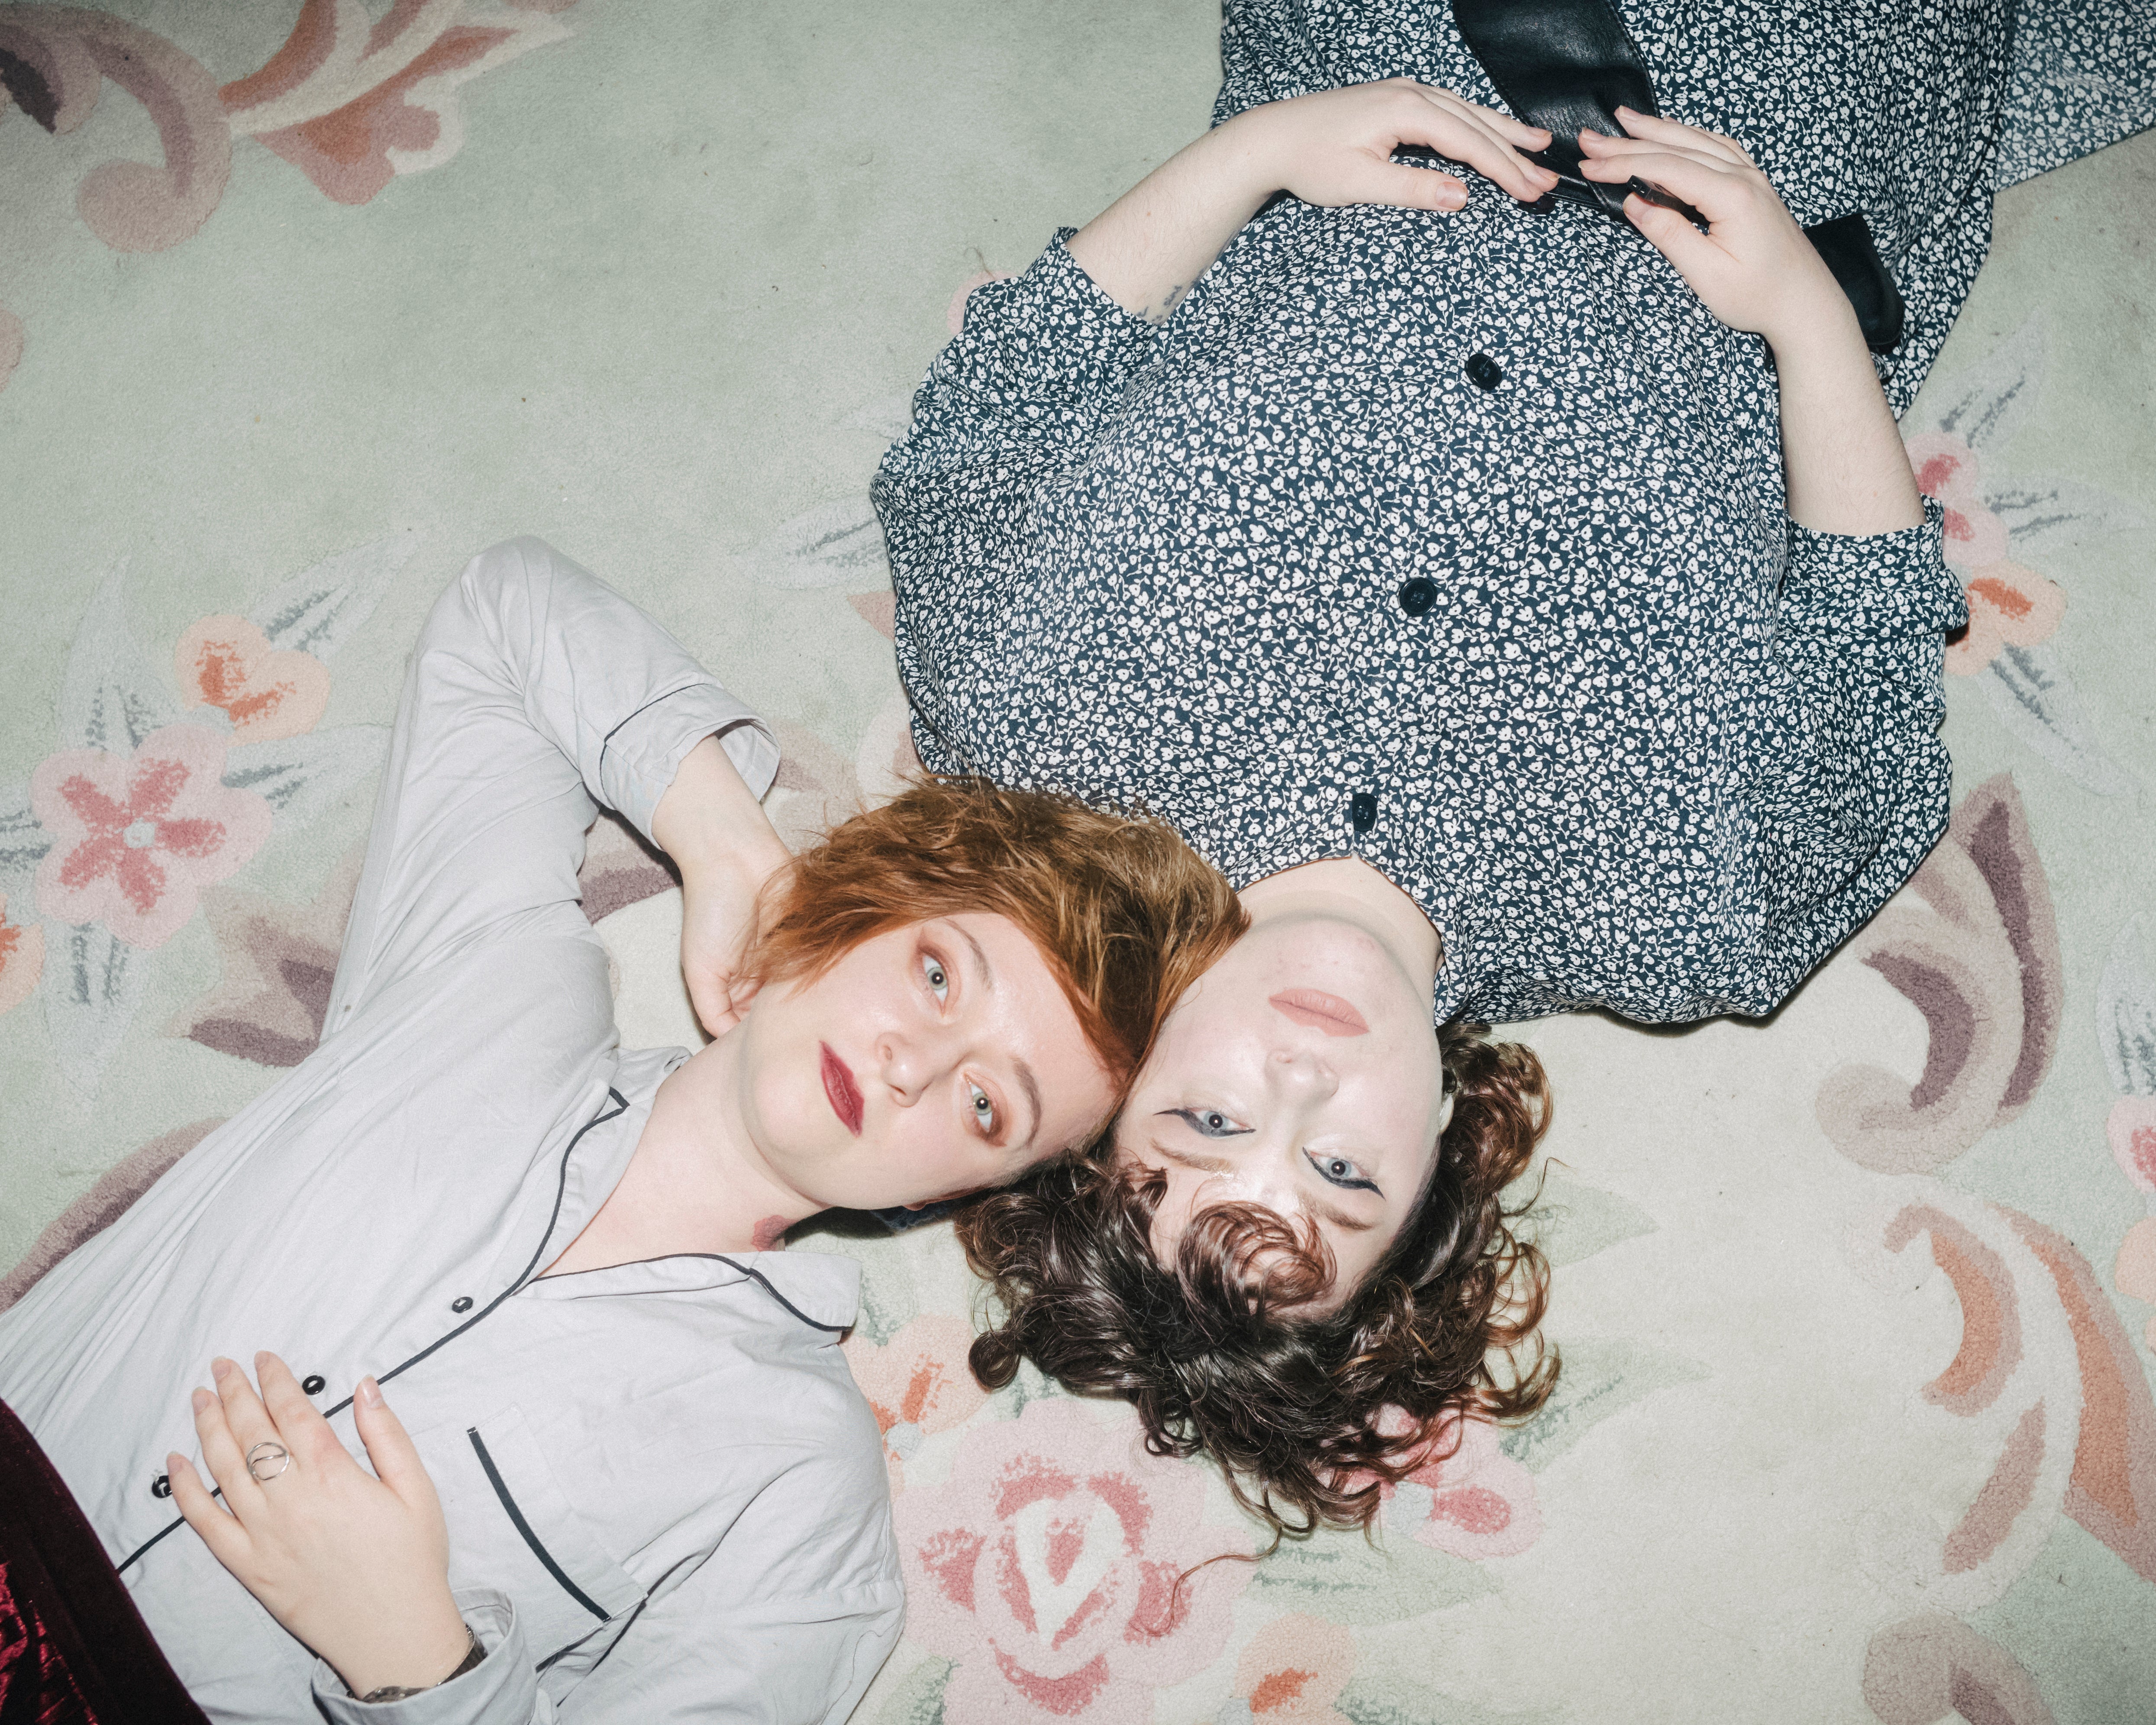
[922,1204]
[1445,1111]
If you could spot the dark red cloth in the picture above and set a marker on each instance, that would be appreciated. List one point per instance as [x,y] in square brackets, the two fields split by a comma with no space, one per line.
[74,1651]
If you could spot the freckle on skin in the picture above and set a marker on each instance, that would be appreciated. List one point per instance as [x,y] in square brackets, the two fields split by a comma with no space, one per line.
[769,1233]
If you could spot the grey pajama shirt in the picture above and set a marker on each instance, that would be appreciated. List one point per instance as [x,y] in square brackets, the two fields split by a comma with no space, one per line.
[666,1499]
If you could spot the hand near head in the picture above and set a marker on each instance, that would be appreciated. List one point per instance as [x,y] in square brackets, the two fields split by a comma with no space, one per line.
[1753,268]
[354,1564]
[726,849]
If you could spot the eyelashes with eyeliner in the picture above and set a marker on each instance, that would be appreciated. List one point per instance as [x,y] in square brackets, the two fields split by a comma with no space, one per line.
[1333,1170]
[1208,1122]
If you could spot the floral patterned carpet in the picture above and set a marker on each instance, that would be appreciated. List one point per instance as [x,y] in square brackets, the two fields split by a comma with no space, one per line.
[300,305]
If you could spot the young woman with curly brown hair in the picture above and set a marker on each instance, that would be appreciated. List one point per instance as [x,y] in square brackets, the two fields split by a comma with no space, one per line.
[1493,548]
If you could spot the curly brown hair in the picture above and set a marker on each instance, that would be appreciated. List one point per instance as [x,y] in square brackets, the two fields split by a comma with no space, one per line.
[1308,1416]
[1126,915]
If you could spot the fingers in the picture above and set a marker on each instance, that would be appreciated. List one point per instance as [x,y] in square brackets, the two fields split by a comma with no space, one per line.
[1718,194]
[1670,234]
[712,999]
[389,1447]
[1487,141]
[223,1453]
[1654,128]
[220,1529]
[300,1427]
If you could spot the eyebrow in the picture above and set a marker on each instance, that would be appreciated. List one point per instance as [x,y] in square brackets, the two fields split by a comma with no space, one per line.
[980,957]
[1032,1095]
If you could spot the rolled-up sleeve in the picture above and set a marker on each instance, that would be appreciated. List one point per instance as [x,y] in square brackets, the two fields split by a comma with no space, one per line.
[536,696]
[500,1690]
[1848,781]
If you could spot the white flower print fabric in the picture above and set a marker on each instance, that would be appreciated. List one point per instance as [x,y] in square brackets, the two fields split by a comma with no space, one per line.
[1457,542]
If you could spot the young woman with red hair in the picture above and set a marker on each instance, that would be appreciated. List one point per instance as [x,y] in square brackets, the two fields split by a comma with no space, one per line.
[627,1475]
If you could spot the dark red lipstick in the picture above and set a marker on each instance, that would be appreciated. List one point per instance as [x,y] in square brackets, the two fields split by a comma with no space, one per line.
[839,1087]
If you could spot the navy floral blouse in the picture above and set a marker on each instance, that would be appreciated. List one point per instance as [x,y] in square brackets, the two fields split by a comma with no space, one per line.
[1457,543]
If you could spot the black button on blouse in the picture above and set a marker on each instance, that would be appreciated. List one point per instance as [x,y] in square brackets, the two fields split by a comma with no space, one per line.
[1417,596]
[314,1384]
[1484,372]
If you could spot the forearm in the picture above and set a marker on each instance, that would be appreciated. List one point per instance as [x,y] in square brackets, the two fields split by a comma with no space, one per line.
[1147,248]
[1844,467]
[710,821]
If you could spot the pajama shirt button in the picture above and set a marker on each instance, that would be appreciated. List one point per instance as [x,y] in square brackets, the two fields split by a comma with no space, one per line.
[461,1303]
[161,1486]
[313,1385]
[1362,810]
[1417,596]
[1484,372]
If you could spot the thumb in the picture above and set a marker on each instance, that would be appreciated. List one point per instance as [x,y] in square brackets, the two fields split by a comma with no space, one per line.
[710,995]
[397,1462]
[1671,235]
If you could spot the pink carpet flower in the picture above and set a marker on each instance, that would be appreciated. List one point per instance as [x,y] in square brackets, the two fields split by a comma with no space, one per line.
[1293,1672]
[2008,606]
[916,1383]
[1046,1566]
[2132,1130]
[136,838]
[22,959]
[1477,1502]
[1946,468]
[228,663]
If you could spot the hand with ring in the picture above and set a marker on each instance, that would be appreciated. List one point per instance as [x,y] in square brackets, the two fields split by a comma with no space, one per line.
[355,1564]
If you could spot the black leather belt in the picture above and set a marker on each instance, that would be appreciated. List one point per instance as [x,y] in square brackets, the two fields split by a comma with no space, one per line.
[1569,64]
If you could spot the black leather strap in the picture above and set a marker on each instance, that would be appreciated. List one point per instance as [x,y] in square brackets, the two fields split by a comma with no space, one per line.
[1568,65]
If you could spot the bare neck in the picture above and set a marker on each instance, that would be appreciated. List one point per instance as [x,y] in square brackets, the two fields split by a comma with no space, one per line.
[1349,889]
[694,1182]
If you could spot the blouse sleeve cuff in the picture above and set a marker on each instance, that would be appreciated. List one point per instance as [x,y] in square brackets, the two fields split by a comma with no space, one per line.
[1051,333]
[500,1690]
[1877,585]
[640,758]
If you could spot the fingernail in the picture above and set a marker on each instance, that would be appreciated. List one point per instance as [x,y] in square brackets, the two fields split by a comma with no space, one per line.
[202,1399]
[221,1369]
[370,1391]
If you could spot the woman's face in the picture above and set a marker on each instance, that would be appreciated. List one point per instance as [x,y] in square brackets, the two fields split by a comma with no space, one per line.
[929,1061]
[1301,1073]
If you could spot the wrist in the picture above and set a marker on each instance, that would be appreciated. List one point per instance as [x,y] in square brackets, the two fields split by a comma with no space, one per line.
[710,823]
[412,1658]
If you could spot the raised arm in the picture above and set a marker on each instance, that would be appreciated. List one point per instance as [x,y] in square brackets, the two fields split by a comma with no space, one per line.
[536,695]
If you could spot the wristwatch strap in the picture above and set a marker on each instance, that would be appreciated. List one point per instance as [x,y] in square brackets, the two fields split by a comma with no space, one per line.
[474,1656]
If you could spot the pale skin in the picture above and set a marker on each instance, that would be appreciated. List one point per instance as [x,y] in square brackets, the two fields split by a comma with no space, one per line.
[930,1060]
[1245,1099]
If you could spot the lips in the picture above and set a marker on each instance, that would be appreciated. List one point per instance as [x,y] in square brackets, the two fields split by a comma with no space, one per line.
[839,1087]
[1320,1011]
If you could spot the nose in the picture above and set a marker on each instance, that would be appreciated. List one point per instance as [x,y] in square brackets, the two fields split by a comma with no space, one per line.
[910,1066]
[1302,1076]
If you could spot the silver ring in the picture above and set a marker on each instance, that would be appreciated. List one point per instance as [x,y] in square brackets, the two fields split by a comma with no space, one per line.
[267,1451]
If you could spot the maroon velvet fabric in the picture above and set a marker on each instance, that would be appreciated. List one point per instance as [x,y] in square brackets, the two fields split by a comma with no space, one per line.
[74,1651]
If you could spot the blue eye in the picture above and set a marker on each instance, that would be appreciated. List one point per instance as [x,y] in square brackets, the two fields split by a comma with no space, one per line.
[1339,1171]
[1208,1122]
[939,982]
[984,1110]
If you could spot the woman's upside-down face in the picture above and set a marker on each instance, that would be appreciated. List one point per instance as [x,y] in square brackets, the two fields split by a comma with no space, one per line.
[930,1060]
[1301,1073]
